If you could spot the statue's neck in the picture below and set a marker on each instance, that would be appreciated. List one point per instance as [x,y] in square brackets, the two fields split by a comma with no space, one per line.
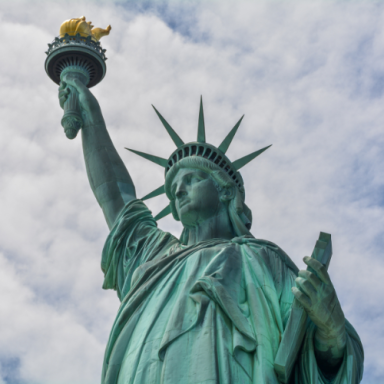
[216,227]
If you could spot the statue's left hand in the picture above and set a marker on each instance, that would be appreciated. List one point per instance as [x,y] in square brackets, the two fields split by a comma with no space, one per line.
[318,297]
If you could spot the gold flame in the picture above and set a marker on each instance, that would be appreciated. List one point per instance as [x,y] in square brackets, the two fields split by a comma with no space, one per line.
[84,28]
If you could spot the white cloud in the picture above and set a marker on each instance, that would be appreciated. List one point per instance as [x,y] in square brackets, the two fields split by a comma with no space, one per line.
[309,78]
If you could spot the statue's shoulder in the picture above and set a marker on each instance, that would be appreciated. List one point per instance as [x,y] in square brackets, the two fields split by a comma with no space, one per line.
[260,243]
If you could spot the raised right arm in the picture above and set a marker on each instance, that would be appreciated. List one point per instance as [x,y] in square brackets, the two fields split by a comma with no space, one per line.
[107,174]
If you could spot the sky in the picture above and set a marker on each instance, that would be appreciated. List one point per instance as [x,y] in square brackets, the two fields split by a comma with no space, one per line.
[309,77]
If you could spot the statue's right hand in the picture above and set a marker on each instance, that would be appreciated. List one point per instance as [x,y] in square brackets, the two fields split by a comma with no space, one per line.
[63,94]
[88,102]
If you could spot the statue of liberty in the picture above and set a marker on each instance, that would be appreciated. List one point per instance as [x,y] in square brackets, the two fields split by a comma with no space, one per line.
[212,306]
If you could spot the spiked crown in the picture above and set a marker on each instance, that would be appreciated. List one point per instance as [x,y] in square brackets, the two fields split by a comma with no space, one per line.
[201,149]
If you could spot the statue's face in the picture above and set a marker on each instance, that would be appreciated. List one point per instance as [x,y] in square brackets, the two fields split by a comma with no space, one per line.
[196,196]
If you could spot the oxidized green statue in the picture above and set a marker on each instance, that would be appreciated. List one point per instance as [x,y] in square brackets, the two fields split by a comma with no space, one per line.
[212,306]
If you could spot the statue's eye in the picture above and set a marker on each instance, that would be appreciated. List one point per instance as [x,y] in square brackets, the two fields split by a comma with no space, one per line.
[188,179]
[195,179]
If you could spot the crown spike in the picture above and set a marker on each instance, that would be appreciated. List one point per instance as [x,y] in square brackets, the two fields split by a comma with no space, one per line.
[174,136]
[165,212]
[246,159]
[223,147]
[157,160]
[157,192]
[201,126]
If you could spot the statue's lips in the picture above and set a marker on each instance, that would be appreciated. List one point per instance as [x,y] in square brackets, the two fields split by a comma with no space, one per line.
[183,203]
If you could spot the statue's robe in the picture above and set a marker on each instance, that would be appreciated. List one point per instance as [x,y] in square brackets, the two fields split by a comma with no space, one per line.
[213,312]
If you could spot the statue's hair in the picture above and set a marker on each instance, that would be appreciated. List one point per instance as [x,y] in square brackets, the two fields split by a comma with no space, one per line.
[240,214]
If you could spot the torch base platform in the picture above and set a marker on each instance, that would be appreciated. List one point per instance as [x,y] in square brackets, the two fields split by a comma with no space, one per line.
[78,52]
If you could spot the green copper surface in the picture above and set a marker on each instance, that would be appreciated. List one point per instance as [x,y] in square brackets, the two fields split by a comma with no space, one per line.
[157,192]
[212,306]
[223,147]
[201,125]
[154,159]
[164,212]
[238,164]
[174,136]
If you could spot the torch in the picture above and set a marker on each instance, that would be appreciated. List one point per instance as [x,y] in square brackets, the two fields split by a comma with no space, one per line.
[77,51]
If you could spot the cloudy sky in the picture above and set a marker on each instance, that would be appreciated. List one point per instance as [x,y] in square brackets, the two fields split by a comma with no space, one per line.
[309,77]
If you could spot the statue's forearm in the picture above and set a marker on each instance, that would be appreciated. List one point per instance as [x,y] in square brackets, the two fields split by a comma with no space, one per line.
[329,350]
[107,174]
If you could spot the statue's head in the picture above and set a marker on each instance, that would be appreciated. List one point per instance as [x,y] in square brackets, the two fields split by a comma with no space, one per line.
[201,182]
[197,195]
[198,190]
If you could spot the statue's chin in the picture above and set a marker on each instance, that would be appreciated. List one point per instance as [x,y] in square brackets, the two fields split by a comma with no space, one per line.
[184,211]
[189,218]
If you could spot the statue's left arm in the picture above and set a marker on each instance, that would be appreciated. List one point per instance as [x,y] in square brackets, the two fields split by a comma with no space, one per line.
[331,351]
[318,296]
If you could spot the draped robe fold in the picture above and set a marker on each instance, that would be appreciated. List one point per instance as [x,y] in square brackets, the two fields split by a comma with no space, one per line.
[213,312]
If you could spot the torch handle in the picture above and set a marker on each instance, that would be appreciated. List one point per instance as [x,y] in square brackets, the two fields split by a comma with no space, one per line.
[72,121]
